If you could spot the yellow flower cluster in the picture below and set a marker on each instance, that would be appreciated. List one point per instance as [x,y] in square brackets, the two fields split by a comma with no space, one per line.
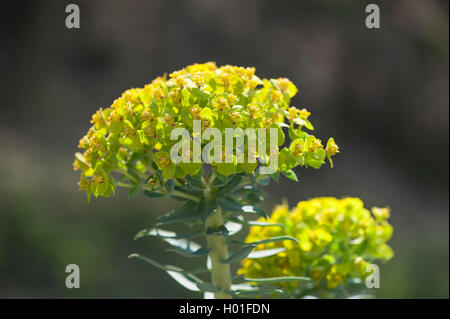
[135,130]
[337,240]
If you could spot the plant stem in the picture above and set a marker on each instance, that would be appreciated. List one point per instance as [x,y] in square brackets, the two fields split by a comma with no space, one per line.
[220,272]
[174,192]
[185,195]
[120,184]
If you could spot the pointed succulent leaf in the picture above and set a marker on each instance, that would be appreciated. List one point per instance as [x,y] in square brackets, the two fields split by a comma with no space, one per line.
[188,211]
[265,253]
[277,279]
[238,255]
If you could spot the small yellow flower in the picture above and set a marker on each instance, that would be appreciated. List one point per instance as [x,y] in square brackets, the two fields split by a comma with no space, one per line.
[235,116]
[89,154]
[158,93]
[304,114]
[225,78]
[292,113]
[253,110]
[84,142]
[284,84]
[150,131]
[298,150]
[250,72]
[83,183]
[317,275]
[332,148]
[129,131]
[334,278]
[206,124]
[97,179]
[164,161]
[381,213]
[197,78]
[276,96]
[222,104]
[251,84]
[147,116]
[175,96]
[96,118]
[179,80]
[115,117]
[196,112]
[75,165]
[315,144]
[169,120]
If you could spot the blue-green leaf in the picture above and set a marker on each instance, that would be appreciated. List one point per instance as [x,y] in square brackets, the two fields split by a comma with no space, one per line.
[207,287]
[264,224]
[256,223]
[230,186]
[251,209]
[149,261]
[201,252]
[183,213]
[219,181]
[265,253]
[153,194]
[194,183]
[274,239]
[238,255]
[170,185]
[256,292]
[185,279]
[186,248]
[263,180]
[277,279]
[161,233]
[234,227]
[134,191]
[231,205]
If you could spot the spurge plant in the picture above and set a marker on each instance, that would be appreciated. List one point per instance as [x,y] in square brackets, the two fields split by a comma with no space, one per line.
[131,143]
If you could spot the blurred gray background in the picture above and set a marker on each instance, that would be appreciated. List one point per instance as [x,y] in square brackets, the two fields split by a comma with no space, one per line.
[383,94]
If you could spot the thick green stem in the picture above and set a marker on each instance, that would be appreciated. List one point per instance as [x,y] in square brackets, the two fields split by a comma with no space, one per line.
[220,272]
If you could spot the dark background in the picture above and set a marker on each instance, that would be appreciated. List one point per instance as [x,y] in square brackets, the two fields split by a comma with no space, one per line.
[382,93]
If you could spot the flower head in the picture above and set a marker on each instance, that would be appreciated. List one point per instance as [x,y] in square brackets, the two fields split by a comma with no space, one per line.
[129,135]
[337,239]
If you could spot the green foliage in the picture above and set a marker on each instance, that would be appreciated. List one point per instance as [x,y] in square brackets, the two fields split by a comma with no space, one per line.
[237,195]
